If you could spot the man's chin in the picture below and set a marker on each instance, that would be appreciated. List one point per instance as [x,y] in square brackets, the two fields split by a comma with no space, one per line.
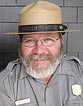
[40,68]
[40,65]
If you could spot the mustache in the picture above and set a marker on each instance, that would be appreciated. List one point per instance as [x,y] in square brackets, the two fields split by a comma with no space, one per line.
[42,56]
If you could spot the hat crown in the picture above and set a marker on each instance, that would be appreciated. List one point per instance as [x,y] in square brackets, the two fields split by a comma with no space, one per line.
[41,17]
[40,4]
[40,12]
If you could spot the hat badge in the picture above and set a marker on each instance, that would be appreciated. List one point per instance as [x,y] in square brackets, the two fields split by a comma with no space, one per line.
[61,27]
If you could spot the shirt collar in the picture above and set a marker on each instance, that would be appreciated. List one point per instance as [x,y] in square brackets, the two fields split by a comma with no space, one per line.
[23,73]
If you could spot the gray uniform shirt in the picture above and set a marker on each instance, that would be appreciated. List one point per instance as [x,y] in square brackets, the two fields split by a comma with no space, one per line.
[64,89]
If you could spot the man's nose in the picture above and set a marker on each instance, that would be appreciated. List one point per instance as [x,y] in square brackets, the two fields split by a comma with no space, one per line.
[39,48]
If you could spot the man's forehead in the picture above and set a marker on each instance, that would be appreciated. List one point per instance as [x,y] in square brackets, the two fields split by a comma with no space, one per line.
[39,35]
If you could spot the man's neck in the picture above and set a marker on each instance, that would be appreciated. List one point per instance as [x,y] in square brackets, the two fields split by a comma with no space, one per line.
[46,80]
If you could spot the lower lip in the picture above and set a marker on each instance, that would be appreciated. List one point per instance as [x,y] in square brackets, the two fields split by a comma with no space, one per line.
[40,61]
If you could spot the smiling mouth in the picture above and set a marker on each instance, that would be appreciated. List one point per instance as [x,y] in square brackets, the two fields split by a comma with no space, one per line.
[40,60]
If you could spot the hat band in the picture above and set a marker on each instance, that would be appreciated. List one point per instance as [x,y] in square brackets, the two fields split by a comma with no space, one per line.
[41,28]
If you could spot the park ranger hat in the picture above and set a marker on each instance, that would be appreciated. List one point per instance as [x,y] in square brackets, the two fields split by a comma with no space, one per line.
[41,17]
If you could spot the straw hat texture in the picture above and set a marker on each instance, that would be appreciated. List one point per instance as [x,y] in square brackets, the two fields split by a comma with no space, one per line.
[40,17]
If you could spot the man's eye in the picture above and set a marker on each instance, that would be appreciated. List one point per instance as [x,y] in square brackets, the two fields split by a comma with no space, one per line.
[48,39]
[29,40]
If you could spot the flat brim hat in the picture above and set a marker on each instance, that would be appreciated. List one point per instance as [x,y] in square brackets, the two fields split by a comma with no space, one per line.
[40,17]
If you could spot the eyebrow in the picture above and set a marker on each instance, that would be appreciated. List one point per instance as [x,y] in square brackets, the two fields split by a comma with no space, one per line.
[45,35]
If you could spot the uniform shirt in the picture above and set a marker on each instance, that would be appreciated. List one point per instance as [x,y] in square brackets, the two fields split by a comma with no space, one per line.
[65,88]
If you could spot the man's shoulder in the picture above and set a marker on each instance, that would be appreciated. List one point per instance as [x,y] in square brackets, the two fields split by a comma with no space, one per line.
[9,69]
[73,59]
[75,63]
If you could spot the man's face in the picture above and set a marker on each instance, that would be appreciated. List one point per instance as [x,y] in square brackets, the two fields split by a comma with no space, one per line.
[40,51]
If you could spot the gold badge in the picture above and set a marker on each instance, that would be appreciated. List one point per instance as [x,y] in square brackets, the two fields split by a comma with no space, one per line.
[21,102]
[61,27]
[76,89]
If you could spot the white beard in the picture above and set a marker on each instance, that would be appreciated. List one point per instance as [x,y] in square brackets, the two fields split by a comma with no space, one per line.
[43,73]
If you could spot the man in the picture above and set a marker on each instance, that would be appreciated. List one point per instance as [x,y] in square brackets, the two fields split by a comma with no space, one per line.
[42,76]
